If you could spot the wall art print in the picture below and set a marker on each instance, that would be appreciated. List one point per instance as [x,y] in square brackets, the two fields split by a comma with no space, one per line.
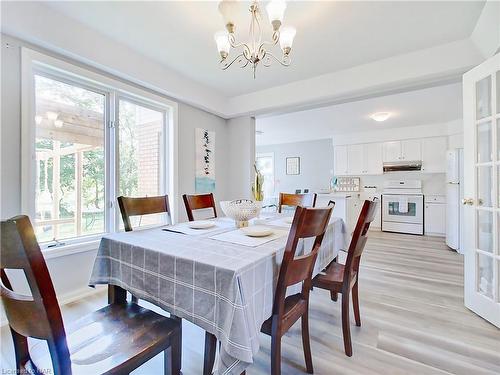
[205,161]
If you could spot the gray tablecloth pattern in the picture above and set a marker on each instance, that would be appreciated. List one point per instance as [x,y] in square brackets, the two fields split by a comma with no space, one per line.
[224,288]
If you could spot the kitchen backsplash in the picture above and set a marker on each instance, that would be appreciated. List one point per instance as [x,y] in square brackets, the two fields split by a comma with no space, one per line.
[432,183]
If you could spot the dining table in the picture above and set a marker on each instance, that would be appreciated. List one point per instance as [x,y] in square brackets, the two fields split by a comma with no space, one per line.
[217,277]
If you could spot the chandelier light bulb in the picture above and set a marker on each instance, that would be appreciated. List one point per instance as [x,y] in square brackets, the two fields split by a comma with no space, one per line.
[380,116]
[38,119]
[228,9]
[52,116]
[287,35]
[58,123]
[276,11]
[222,41]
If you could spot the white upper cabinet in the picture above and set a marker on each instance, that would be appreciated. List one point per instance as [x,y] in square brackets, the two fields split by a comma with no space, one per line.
[408,150]
[434,154]
[355,159]
[392,151]
[372,158]
[411,150]
[340,161]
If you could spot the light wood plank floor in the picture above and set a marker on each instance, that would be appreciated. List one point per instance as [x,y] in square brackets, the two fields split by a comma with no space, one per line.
[413,320]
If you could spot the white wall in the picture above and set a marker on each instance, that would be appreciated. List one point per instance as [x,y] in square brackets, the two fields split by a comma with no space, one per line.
[316,164]
[241,138]
[407,132]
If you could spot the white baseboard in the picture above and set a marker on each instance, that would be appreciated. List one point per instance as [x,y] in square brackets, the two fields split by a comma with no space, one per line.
[67,298]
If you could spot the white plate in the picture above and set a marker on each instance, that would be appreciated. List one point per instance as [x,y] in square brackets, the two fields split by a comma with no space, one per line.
[256,231]
[201,224]
[288,220]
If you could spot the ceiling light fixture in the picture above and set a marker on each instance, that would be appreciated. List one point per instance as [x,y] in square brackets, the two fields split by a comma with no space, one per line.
[380,116]
[254,51]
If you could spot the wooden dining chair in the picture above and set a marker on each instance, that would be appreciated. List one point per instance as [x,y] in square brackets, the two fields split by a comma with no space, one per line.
[141,206]
[339,278]
[116,339]
[198,202]
[304,200]
[307,222]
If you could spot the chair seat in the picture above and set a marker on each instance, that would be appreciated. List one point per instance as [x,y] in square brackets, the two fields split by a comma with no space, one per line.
[295,306]
[113,340]
[333,278]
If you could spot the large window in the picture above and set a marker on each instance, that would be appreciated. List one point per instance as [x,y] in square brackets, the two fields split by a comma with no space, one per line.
[265,164]
[90,142]
[69,149]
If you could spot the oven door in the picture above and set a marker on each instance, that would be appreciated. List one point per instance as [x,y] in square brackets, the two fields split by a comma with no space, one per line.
[403,208]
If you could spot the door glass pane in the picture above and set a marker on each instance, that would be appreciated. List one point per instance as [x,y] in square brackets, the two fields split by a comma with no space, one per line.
[140,134]
[485,230]
[69,147]
[484,186]
[483,98]
[498,135]
[484,143]
[485,275]
[498,91]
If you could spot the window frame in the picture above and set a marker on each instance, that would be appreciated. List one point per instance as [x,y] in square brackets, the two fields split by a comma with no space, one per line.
[35,63]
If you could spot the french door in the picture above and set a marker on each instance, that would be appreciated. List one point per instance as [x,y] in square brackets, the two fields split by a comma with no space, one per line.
[481,228]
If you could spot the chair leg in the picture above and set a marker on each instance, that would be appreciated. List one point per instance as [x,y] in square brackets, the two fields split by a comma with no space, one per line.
[306,342]
[333,296]
[355,304]
[275,354]
[346,330]
[210,348]
[176,318]
[172,357]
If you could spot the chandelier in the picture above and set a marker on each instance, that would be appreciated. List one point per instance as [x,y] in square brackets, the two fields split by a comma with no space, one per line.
[256,50]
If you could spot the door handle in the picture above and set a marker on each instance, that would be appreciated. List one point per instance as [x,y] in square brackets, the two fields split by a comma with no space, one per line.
[468,201]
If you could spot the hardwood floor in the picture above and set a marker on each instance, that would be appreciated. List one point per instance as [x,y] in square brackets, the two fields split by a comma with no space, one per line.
[412,314]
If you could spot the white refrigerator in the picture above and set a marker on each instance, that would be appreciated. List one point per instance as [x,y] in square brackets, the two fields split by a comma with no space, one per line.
[454,195]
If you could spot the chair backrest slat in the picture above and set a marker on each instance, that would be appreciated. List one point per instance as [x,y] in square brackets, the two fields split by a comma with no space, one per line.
[307,223]
[198,202]
[37,315]
[304,200]
[359,238]
[141,206]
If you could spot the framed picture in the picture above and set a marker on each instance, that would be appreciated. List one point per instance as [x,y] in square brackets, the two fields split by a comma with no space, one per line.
[293,165]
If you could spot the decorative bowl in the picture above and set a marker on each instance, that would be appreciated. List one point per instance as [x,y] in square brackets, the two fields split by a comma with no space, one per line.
[241,210]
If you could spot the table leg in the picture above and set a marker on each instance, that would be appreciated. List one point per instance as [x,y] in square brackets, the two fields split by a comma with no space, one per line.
[210,348]
[116,294]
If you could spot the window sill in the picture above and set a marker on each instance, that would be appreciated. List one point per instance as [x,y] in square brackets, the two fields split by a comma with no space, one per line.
[70,249]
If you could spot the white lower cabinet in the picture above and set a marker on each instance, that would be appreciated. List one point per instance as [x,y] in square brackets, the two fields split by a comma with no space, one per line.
[435,215]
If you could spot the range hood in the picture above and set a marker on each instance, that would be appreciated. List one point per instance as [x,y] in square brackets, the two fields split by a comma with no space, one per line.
[399,166]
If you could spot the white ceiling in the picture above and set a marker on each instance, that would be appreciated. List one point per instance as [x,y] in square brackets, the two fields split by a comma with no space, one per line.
[330,35]
[421,107]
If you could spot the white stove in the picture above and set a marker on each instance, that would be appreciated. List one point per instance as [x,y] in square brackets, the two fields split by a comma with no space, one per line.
[403,207]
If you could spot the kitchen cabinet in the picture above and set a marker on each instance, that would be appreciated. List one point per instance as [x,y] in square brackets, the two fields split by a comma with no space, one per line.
[434,154]
[411,150]
[435,215]
[407,150]
[340,161]
[372,158]
[358,159]
[355,159]
[392,151]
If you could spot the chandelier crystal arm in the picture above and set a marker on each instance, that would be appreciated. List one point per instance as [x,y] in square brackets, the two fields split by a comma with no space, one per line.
[266,60]
[225,64]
